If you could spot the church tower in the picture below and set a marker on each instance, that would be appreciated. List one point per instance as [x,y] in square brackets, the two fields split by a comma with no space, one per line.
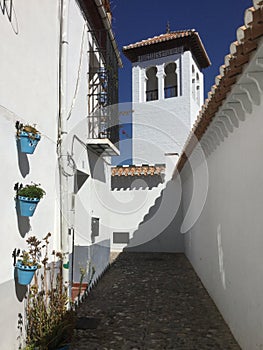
[167,92]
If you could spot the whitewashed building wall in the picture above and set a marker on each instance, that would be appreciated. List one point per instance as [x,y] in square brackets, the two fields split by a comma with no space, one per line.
[225,243]
[29,92]
[145,212]
[167,120]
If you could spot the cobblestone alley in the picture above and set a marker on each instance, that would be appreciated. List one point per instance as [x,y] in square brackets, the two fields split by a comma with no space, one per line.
[151,301]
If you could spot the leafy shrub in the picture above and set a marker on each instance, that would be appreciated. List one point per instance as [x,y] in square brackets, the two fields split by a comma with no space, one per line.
[31,191]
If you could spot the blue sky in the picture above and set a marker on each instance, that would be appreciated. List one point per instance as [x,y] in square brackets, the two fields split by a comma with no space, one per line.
[216,22]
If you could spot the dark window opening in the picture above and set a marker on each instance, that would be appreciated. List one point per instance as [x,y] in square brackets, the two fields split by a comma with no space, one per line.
[151,84]
[95,228]
[121,237]
[170,81]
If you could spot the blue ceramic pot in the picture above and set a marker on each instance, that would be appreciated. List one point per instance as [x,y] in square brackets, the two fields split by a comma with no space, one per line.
[102,98]
[102,74]
[28,142]
[27,206]
[25,273]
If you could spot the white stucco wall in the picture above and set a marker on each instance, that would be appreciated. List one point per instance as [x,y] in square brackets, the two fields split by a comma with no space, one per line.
[196,98]
[150,214]
[29,89]
[129,206]
[159,231]
[161,126]
[88,202]
[225,243]
[28,93]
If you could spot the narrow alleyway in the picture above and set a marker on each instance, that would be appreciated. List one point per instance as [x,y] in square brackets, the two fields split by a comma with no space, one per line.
[151,301]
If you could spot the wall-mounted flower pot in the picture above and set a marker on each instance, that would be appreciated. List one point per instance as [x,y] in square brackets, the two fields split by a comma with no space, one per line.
[25,273]
[102,98]
[27,206]
[103,78]
[28,142]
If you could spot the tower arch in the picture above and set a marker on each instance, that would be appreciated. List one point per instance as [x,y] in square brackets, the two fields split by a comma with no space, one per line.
[170,80]
[151,84]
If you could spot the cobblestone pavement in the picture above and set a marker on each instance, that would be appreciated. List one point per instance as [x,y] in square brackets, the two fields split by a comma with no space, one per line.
[152,301]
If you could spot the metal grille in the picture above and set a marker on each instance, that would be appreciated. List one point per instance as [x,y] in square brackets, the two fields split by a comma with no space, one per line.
[103,93]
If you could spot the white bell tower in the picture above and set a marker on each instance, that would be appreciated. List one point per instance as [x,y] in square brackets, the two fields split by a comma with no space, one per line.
[167,92]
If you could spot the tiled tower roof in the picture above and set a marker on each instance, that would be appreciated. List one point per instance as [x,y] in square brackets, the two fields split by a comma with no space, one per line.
[189,39]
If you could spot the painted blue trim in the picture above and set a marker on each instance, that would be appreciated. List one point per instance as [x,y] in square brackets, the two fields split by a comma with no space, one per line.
[27,206]
[25,274]
[102,97]
[28,142]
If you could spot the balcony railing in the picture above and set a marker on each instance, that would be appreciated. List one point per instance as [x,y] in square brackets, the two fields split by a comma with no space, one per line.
[103,89]
[170,91]
[105,125]
[152,95]
[104,134]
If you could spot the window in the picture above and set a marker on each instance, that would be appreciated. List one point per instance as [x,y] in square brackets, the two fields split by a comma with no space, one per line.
[151,84]
[95,228]
[121,237]
[170,81]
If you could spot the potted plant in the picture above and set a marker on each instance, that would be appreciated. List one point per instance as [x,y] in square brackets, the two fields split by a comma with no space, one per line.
[28,137]
[102,74]
[102,98]
[28,197]
[49,322]
[28,263]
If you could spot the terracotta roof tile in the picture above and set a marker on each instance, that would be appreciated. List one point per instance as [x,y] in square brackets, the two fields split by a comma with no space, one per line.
[138,170]
[189,39]
[160,38]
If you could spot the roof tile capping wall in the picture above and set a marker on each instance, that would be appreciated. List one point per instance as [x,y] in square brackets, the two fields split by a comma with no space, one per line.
[248,37]
[134,170]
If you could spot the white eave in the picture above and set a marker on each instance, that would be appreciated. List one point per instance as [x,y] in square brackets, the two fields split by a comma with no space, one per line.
[102,147]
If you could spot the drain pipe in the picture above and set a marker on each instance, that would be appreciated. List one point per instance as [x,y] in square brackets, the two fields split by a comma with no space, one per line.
[62,134]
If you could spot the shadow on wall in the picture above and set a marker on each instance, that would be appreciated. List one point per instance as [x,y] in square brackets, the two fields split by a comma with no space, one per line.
[136,182]
[97,167]
[20,290]
[160,229]
[23,163]
[228,118]
[85,257]
[23,222]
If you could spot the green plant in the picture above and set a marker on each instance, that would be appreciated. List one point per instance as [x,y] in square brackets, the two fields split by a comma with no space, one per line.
[26,259]
[89,272]
[31,130]
[32,256]
[49,323]
[82,275]
[31,191]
